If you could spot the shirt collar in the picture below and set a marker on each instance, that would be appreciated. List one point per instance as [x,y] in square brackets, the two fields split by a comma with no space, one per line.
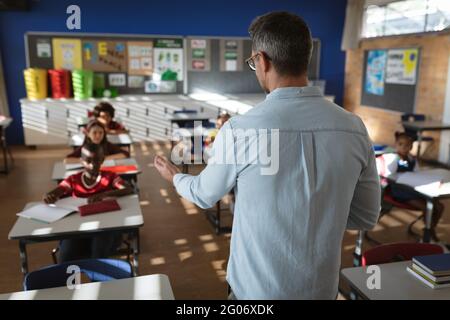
[291,92]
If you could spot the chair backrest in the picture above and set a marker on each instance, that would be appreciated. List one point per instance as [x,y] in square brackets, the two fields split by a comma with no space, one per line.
[97,270]
[398,252]
[409,117]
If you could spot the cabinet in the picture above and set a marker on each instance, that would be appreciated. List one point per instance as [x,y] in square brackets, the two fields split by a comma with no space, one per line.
[51,122]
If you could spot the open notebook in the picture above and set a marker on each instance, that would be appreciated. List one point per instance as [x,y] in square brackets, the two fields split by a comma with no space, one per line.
[50,213]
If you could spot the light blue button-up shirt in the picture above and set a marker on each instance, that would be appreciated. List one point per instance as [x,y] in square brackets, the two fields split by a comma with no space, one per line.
[290,217]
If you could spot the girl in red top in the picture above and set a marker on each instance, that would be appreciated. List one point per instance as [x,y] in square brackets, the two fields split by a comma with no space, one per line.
[95,185]
[96,133]
[104,113]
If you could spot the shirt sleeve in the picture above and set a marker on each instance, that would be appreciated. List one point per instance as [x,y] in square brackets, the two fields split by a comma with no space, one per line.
[66,185]
[219,176]
[366,203]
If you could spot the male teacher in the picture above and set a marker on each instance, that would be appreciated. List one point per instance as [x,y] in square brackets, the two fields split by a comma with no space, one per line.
[302,168]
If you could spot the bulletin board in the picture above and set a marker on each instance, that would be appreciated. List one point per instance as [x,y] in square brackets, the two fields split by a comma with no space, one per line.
[390,78]
[133,64]
[217,64]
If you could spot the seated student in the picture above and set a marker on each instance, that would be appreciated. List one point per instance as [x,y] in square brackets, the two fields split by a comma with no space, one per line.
[403,161]
[95,185]
[221,119]
[96,133]
[104,113]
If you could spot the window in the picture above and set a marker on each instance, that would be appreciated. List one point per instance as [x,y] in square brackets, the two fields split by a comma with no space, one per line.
[407,16]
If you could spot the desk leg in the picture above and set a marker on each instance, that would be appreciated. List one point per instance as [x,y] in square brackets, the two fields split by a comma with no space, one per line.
[419,141]
[428,218]
[4,150]
[23,257]
[135,247]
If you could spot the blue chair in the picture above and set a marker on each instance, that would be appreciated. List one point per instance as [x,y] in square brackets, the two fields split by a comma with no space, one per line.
[97,270]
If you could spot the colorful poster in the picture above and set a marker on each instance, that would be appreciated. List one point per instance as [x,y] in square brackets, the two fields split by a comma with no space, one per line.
[117,79]
[140,58]
[67,54]
[231,55]
[43,48]
[375,73]
[105,56]
[402,66]
[199,55]
[168,60]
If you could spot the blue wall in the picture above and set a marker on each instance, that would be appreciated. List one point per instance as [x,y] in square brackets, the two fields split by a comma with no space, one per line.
[188,17]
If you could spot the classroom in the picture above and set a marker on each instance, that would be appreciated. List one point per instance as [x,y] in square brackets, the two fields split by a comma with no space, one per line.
[225,150]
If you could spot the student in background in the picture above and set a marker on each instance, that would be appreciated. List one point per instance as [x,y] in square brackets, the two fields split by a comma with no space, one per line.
[96,133]
[403,161]
[95,185]
[104,112]
[221,119]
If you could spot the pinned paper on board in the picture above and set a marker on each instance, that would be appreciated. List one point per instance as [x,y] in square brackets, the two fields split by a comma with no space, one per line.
[136,81]
[117,79]
[199,55]
[231,52]
[375,73]
[105,56]
[140,55]
[168,59]
[43,48]
[67,54]
[402,66]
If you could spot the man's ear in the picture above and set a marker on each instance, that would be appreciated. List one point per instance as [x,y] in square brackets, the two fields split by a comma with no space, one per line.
[265,63]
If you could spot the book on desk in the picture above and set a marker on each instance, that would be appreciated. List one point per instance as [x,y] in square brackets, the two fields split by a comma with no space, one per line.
[432,270]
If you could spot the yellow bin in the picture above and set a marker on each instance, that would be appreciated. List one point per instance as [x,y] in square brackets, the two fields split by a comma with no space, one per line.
[35,83]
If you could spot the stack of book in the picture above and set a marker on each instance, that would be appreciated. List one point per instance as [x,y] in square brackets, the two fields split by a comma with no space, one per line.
[433,270]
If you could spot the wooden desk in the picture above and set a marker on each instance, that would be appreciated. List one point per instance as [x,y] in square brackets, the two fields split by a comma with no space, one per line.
[4,123]
[127,220]
[421,126]
[151,287]
[396,284]
[60,171]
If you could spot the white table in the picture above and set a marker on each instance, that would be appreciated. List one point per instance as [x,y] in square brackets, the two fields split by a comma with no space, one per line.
[396,284]
[60,171]
[127,220]
[121,140]
[151,287]
[428,192]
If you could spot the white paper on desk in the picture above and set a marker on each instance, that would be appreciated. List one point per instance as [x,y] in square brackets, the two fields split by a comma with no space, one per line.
[45,213]
[71,203]
[423,178]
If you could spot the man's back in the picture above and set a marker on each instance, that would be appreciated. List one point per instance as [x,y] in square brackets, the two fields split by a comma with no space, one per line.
[290,212]
[287,233]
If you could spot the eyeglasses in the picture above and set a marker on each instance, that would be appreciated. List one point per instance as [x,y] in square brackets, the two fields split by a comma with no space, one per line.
[251,63]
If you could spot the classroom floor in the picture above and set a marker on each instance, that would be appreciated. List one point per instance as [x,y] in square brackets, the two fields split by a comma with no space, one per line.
[176,238]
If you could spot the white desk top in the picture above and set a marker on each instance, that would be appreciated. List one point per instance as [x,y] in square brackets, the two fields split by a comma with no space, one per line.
[60,172]
[180,133]
[120,139]
[396,284]
[151,287]
[129,216]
